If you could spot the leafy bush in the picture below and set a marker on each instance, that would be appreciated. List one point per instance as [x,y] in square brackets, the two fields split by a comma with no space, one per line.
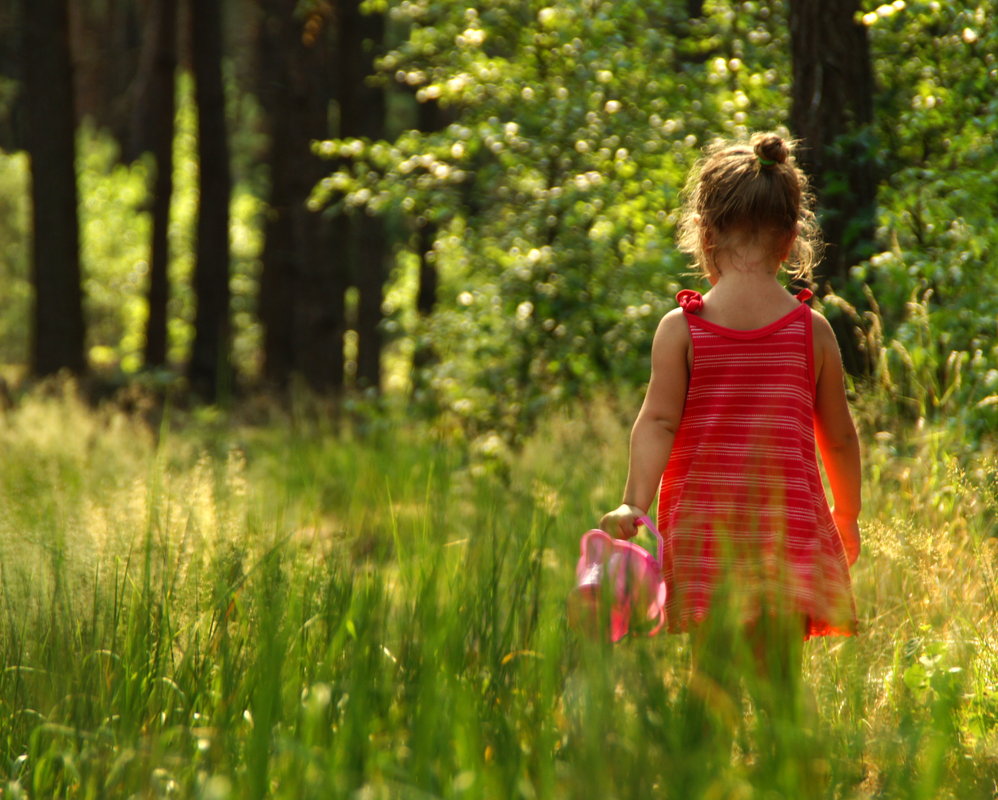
[935,284]
[553,192]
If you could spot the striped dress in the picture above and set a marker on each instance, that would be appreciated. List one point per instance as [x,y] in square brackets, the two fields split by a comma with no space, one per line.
[741,504]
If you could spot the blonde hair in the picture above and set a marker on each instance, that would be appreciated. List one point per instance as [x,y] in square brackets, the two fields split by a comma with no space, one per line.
[753,184]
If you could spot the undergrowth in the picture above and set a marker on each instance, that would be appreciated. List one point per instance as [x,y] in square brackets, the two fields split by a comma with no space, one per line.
[308,609]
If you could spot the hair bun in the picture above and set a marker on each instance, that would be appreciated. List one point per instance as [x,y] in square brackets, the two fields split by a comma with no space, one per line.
[770,148]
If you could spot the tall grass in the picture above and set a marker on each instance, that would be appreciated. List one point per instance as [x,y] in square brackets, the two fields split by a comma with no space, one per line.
[298,611]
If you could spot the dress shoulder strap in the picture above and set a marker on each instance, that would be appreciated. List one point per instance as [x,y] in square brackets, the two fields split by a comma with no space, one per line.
[804,295]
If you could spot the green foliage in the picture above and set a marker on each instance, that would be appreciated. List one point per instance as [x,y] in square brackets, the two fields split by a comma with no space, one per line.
[15,215]
[553,192]
[552,197]
[114,235]
[936,281]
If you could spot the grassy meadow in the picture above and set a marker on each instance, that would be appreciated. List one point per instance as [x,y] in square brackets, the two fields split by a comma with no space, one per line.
[310,607]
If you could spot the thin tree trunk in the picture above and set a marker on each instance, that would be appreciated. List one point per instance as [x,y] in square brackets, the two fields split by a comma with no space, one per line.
[302,291]
[12,122]
[58,327]
[107,43]
[371,276]
[429,277]
[362,114]
[430,118]
[279,272]
[209,370]
[155,109]
[832,113]
[322,301]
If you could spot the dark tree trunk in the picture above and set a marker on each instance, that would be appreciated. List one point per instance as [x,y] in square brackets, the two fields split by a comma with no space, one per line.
[362,114]
[279,272]
[154,128]
[107,43]
[429,278]
[832,114]
[430,119]
[58,328]
[12,112]
[209,370]
[302,287]
[371,276]
[424,353]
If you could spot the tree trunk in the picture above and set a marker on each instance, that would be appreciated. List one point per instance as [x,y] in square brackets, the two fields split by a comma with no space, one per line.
[832,114]
[302,288]
[154,128]
[209,370]
[430,119]
[58,327]
[279,273]
[429,277]
[107,43]
[12,112]
[362,114]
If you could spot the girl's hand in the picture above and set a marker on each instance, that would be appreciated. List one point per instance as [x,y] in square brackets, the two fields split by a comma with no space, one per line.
[622,522]
[849,532]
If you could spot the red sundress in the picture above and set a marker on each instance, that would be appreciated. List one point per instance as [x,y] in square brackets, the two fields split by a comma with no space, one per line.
[741,506]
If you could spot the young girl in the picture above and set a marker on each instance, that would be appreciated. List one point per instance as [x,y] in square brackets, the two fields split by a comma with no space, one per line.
[745,379]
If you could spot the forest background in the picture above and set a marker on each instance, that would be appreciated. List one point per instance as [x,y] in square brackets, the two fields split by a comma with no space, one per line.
[473,207]
[298,293]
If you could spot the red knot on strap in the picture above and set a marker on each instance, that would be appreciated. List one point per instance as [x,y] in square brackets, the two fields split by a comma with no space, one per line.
[691,302]
[804,295]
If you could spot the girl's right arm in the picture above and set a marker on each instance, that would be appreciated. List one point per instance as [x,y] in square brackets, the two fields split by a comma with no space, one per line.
[836,437]
[656,425]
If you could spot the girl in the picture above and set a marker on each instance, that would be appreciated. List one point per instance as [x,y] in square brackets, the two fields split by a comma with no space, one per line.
[745,379]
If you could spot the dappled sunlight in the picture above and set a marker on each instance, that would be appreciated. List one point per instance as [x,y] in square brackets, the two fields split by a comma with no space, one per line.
[393,599]
[305,523]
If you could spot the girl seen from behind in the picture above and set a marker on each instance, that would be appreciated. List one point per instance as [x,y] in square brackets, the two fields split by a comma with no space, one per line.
[745,380]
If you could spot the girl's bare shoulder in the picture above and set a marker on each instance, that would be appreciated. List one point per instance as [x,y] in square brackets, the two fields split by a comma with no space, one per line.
[673,325]
[672,336]
[826,348]
[821,329]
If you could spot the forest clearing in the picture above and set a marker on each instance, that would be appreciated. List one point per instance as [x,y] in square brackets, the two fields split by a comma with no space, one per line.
[298,611]
[323,324]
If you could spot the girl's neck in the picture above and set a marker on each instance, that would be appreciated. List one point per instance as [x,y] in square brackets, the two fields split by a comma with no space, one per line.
[749,254]
[746,300]
[746,292]
[745,279]
[749,261]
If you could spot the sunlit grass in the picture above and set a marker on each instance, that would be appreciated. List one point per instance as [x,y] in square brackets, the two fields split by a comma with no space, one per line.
[309,609]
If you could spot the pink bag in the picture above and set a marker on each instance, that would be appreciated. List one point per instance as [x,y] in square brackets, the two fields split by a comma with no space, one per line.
[619,576]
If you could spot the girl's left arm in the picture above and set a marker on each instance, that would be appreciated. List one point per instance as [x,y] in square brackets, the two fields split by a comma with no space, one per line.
[836,437]
[655,427]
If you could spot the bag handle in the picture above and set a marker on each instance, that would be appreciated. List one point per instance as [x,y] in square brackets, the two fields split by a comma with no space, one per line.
[646,521]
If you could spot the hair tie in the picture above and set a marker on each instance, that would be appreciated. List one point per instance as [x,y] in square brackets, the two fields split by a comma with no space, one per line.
[766,162]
